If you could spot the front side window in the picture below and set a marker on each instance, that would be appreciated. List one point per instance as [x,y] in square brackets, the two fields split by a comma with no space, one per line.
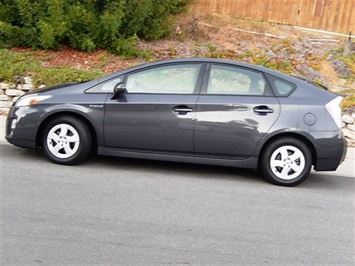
[235,81]
[172,79]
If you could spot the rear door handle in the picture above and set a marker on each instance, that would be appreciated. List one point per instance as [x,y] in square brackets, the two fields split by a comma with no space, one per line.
[182,109]
[263,110]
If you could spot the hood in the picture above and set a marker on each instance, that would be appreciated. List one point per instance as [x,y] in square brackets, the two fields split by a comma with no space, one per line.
[54,87]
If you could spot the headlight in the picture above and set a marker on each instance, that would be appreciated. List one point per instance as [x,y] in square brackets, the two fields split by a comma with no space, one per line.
[31,99]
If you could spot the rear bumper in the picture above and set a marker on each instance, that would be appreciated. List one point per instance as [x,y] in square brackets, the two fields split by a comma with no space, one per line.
[331,152]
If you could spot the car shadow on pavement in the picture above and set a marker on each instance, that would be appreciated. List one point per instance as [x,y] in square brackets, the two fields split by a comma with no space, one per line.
[316,180]
[165,167]
[326,181]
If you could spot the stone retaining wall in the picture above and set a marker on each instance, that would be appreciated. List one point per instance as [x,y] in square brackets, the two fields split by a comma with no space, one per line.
[348,121]
[10,93]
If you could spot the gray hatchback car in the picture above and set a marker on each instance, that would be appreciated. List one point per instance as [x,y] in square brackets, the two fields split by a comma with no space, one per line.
[204,111]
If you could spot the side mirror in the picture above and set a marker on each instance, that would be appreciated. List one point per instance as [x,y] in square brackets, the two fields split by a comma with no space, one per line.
[118,90]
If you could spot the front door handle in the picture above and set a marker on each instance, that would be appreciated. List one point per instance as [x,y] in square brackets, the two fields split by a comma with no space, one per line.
[182,109]
[263,110]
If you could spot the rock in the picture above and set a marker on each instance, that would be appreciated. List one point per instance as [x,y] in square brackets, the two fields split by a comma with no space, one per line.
[340,67]
[351,127]
[27,80]
[4,86]
[350,143]
[14,92]
[349,134]
[4,98]
[351,46]
[307,72]
[348,119]
[5,104]
[15,99]
[4,110]
[27,87]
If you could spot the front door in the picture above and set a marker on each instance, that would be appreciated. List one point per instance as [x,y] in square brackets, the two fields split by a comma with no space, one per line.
[157,112]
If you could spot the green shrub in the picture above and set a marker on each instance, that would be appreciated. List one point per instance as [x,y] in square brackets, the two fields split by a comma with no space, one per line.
[85,25]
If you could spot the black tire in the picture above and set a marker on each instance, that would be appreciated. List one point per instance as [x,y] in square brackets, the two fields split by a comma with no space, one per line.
[286,162]
[66,140]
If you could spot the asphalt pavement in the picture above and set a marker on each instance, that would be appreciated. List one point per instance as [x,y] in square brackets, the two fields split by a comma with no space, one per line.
[113,211]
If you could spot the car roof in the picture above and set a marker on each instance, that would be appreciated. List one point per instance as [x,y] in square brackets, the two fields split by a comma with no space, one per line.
[207,60]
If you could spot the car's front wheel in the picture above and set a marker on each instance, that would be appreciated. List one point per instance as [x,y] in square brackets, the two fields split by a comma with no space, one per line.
[286,162]
[66,140]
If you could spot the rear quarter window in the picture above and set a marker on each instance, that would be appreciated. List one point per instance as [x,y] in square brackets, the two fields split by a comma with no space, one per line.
[281,87]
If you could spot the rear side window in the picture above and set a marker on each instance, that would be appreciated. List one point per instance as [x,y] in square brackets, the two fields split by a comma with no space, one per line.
[234,80]
[281,87]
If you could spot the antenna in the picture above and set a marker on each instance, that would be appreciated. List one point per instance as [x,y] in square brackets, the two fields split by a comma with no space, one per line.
[268,61]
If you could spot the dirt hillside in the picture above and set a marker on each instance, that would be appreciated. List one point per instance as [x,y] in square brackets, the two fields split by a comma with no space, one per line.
[313,55]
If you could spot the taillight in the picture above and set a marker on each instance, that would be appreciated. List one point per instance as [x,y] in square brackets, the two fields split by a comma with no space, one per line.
[334,109]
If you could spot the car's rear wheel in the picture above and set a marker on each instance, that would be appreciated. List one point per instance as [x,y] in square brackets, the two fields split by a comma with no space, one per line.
[286,162]
[66,140]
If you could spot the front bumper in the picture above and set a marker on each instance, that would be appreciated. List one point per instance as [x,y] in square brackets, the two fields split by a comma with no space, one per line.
[22,126]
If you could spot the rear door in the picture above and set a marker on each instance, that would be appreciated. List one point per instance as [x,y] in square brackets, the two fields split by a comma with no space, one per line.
[234,112]
[157,112]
